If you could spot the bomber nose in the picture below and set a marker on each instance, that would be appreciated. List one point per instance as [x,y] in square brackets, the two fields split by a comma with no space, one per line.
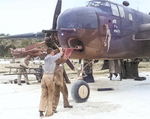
[78,18]
[71,21]
[67,19]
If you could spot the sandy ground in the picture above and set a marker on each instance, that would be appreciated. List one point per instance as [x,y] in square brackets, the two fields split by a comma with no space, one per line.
[129,99]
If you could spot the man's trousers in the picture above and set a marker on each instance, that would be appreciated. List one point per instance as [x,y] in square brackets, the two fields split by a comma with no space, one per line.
[46,102]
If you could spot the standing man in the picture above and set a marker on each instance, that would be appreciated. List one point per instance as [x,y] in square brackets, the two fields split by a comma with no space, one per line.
[23,65]
[47,83]
[60,85]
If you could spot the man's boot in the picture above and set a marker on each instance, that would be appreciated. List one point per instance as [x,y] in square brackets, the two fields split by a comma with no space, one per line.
[66,105]
[54,110]
[41,114]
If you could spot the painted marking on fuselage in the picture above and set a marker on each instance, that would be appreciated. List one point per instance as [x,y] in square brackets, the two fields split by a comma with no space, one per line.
[114,21]
[117,31]
[108,37]
[116,28]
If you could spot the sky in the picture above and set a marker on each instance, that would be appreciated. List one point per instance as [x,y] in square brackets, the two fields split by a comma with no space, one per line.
[25,16]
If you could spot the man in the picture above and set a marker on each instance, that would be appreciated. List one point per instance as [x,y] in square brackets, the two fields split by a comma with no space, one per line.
[23,65]
[60,85]
[47,83]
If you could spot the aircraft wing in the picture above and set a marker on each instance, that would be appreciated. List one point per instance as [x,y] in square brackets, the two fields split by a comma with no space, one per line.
[38,35]
[143,33]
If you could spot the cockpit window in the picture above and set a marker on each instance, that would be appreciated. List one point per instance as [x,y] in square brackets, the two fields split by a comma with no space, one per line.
[103,5]
[93,4]
[122,14]
[130,17]
[115,11]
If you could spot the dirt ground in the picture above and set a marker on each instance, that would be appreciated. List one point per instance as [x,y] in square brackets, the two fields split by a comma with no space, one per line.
[129,99]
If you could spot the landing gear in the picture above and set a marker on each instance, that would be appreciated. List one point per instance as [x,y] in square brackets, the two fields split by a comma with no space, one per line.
[125,68]
[130,70]
[85,70]
[80,91]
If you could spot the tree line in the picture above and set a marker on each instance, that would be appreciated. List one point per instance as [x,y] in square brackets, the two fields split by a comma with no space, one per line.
[5,44]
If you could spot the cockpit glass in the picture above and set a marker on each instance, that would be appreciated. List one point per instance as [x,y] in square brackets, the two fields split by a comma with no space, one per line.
[93,4]
[103,5]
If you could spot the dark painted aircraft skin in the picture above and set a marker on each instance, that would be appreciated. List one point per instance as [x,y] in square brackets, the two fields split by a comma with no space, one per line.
[106,30]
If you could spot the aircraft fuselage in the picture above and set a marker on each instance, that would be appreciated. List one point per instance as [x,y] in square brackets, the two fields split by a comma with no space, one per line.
[103,31]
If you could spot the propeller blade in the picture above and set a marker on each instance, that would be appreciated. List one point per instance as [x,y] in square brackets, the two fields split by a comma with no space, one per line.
[56,14]
[35,45]
[66,77]
[69,63]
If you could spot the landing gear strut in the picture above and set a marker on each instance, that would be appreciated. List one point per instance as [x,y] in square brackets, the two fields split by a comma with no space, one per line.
[125,68]
[80,90]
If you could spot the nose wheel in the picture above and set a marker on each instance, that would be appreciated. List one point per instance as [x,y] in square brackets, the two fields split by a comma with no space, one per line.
[80,91]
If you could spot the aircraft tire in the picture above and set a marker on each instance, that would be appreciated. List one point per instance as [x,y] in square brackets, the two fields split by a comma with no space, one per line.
[80,91]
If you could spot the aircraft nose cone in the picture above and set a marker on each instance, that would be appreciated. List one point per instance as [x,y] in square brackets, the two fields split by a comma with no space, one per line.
[78,18]
[73,23]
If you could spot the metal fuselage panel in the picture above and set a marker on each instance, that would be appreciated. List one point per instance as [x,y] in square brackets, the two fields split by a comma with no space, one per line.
[103,36]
